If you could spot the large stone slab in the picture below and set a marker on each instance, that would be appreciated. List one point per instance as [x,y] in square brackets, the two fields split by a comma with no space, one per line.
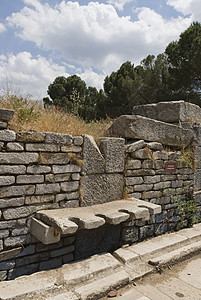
[6,114]
[170,111]
[101,188]
[142,128]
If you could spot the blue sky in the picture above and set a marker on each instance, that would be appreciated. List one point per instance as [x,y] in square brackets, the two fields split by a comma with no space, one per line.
[40,40]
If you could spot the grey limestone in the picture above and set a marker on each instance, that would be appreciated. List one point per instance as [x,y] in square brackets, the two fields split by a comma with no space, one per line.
[43,232]
[152,179]
[3,125]
[39,199]
[142,187]
[66,169]
[26,179]
[42,147]
[57,177]
[134,180]
[133,164]
[6,114]
[96,189]
[7,180]
[17,190]
[37,169]
[94,162]
[18,212]
[62,251]
[151,194]
[6,169]
[130,148]
[69,186]
[138,127]
[70,203]
[113,152]
[155,146]
[11,202]
[71,148]
[67,196]
[78,140]
[7,135]
[58,138]
[148,164]
[30,137]
[15,241]
[75,176]
[18,158]
[15,146]
[53,158]
[47,188]
[143,153]
[4,233]
[170,112]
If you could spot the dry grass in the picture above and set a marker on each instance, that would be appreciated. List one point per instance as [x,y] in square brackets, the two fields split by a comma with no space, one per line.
[30,115]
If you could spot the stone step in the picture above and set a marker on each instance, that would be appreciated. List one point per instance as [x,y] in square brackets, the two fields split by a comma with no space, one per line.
[102,286]
[177,255]
[69,220]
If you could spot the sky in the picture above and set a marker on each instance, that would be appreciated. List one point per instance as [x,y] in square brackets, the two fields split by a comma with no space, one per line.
[41,39]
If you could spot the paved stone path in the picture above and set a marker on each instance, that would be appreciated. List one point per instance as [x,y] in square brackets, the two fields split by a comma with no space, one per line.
[182,281]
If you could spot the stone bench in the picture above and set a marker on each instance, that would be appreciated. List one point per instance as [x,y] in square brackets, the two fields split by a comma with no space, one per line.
[49,225]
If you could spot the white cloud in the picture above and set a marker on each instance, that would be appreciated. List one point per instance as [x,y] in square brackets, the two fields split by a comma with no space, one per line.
[31,75]
[2,28]
[119,4]
[186,7]
[92,78]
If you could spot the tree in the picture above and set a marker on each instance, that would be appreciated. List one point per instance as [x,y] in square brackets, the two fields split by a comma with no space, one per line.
[184,58]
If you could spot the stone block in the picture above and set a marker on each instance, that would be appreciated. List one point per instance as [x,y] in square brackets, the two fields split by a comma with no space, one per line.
[27,250]
[152,179]
[7,180]
[134,180]
[15,147]
[51,264]
[19,212]
[7,265]
[58,138]
[47,188]
[170,111]
[11,202]
[42,147]
[12,169]
[113,152]
[39,199]
[20,271]
[78,140]
[160,155]
[143,187]
[3,275]
[141,172]
[43,232]
[138,127]
[94,162]
[71,148]
[148,164]
[66,169]
[4,233]
[62,251]
[7,224]
[19,231]
[30,137]
[155,146]
[130,148]
[151,194]
[3,125]
[69,186]
[133,164]
[30,179]
[67,196]
[130,234]
[7,135]
[159,164]
[67,258]
[38,169]
[15,241]
[57,178]
[9,254]
[198,157]
[23,261]
[6,114]
[69,204]
[53,158]
[101,188]
[75,176]
[18,158]
[17,190]
[1,245]
[143,154]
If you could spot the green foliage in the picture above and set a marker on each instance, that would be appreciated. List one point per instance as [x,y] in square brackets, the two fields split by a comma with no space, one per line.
[188,157]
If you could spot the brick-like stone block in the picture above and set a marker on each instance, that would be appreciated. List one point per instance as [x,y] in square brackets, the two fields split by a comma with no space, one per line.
[134,180]
[30,137]
[78,140]
[3,125]
[151,194]
[38,169]
[17,190]
[6,114]
[47,188]
[11,202]
[71,148]
[18,158]
[53,158]
[7,135]
[62,251]
[57,178]
[44,233]
[39,199]
[133,164]
[42,147]
[15,147]
[66,169]
[26,179]
[18,212]
[101,188]
[130,148]
[58,138]
[152,179]
[67,196]
[69,186]
[7,180]
[113,152]
[12,169]
[94,162]
[15,241]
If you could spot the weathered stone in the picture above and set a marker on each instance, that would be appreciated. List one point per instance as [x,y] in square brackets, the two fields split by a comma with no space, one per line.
[30,137]
[28,250]
[133,164]
[94,162]
[58,138]
[42,147]
[7,135]
[43,232]
[1,245]
[15,147]
[134,180]
[21,271]
[113,152]
[12,169]
[57,178]
[12,202]
[159,164]
[53,158]
[168,177]
[38,169]
[7,265]
[7,180]
[198,157]
[142,187]
[51,264]
[6,114]
[101,188]
[69,204]
[3,125]
[197,180]
[135,146]
[148,164]
[152,179]
[31,259]
[30,179]
[155,146]
[143,153]
[17,190]
[160,155]
[75,176]
[69,186]
[67,196]
[151,194]
[78,140]
[141,172]
[3,275]
[66,169]
[39,199]
[4,233]
[7,224]
[138,127]
[71,148]
[130,234]
[20,231]
[18,212]
[170,112]
[161,185]
[15,241]
[62,251]
[47,188]
[18,158]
